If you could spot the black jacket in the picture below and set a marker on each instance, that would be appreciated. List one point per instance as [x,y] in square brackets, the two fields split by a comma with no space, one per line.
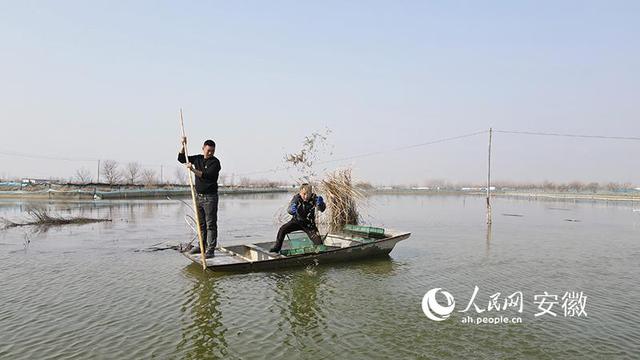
[305,213]
[208,183]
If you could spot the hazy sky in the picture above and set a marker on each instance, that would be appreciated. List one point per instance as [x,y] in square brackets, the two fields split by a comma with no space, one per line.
[105,79]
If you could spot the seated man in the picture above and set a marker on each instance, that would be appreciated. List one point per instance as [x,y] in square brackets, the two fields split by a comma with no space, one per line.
[302,208]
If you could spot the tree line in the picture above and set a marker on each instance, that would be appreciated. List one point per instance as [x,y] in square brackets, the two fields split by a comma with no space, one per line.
[133,173]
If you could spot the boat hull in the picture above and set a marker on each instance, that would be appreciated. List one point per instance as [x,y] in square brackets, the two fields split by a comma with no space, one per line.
[369,250]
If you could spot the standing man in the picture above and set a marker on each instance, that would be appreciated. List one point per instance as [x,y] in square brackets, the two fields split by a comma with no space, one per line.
[206,168]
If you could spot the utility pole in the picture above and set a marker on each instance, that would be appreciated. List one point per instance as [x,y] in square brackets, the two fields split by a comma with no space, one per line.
[489,180]
[98,177]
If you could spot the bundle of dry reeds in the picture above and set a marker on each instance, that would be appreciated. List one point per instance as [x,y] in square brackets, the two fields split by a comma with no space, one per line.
[342,199]
[41,217]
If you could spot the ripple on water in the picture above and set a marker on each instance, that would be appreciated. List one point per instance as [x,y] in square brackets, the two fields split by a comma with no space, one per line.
[86,294]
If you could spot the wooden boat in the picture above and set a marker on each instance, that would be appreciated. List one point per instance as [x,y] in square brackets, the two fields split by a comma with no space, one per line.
[337,248]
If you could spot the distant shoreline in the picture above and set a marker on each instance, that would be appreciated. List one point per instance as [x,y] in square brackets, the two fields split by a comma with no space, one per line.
[121,193]
[97,193]
[523,194]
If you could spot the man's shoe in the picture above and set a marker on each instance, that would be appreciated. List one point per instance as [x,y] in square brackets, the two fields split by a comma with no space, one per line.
[209,253]
[195,250]
[274,250]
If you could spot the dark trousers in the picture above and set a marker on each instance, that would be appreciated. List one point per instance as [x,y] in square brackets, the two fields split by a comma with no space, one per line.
[291,226]
[207,206]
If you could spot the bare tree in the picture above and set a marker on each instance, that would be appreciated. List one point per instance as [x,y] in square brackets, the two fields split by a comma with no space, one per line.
[592,186]
[181,175]
[576,186]
[549,186]
[149,177]
[83,175]
[563,187]
[110,171]
[614,186]
[364,185]
[222,179]
[132,172]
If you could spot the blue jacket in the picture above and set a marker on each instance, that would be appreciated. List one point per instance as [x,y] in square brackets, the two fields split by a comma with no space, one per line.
[304,212]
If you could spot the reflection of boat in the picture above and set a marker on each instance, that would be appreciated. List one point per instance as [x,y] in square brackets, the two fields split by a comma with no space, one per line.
[203,326]
[363,242]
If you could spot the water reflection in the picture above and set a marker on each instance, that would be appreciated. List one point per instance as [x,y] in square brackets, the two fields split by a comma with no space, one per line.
[299,293]
[364,309]
[203,333]
[379,267]
[489,236]
[305,298]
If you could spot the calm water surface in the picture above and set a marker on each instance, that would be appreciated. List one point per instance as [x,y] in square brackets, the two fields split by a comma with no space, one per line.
[86,291]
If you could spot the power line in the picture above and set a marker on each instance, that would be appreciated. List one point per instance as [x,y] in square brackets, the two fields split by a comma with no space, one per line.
[46,157]
[569,135]
[369,154]
[278,169]
[60,158]
[373,153]
[406,147]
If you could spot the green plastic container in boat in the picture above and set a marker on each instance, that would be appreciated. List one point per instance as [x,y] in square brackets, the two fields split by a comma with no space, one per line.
[289,252]
[313,249]
[367,231]
[298,240]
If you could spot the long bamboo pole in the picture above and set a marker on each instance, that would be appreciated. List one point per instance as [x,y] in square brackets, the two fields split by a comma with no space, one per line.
[193,195]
